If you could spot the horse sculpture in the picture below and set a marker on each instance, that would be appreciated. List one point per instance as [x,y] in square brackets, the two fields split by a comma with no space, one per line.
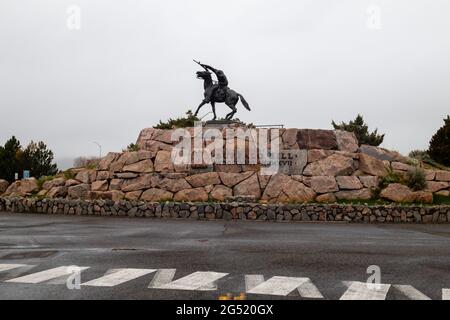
[218,93]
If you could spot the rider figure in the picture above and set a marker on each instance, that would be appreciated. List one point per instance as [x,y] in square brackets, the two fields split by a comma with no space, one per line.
[222,83]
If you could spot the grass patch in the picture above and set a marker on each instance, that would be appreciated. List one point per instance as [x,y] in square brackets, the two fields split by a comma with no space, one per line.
[68,174]
[438,199]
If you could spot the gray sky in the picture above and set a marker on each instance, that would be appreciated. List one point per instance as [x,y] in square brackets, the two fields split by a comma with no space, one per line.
[300,63]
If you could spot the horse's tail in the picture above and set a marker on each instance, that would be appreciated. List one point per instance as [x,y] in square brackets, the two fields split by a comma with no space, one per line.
[246,106]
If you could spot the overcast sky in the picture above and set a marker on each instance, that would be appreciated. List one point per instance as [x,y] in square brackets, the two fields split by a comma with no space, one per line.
[300,63]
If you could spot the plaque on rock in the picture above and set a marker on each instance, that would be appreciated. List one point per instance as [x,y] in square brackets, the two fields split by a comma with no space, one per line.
[316,139]
[291,162]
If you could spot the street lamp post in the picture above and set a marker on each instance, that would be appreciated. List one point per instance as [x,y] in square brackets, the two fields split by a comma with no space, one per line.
[99,147]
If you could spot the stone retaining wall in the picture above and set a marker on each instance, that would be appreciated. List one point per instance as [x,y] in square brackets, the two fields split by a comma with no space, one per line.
[229,211]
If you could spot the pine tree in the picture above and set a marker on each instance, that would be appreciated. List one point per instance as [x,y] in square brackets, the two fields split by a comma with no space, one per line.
[10,159]
[361,131]
[439,149]
[38,159]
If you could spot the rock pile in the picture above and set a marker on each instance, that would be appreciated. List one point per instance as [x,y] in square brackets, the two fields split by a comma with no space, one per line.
[334,168]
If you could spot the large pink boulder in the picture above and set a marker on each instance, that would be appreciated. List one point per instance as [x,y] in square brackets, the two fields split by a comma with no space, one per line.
[193,194]
[203,179]
[23,187]
[371,165]
[297,192]
[3,186]
[155,194]
[349,182]
[334,165]
[346,141]
[361,194]
[143,166]
[398,193]
[316,139]
[442,175]
[324,184]
[220,193]
[163,162]
[231,179]
[248,187]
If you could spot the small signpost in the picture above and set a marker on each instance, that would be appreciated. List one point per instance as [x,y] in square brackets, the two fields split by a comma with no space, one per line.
[26,174]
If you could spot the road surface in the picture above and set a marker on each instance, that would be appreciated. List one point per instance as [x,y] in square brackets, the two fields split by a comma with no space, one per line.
[46,257]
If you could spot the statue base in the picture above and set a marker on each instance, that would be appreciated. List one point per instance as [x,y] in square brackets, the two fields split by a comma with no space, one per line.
[222,123]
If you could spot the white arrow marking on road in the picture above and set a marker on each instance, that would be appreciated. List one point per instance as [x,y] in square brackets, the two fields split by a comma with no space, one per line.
[253,280]
[365,291]
[445,294]
[115,277]
[196,281]
[278,286]
[6,267]
[45,275]
[410,292]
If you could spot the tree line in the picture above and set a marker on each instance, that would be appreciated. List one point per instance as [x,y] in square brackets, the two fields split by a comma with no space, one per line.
[36,158]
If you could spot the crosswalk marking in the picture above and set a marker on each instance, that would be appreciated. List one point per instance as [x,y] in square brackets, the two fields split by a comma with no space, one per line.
[445,294]
[196,281]
[162,277]
[6,267]
[115,277]
[45,275]
[365,291]
[253,280]
[278,286]
[410,292]
[309,290]
[206,280]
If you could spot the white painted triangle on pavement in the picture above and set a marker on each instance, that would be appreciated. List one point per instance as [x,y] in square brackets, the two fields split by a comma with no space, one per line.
[365,291]
[278,286]
[45,275]
[253,280]
[410,292]
[162,277]
[445,294]
[115,277]
[200,280]
[309,290]
[6,267]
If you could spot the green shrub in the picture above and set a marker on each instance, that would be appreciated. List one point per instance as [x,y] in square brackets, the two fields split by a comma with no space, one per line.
[420,155]
[183,122]
[390,177]
[416,178]
[361,130]
[131,147]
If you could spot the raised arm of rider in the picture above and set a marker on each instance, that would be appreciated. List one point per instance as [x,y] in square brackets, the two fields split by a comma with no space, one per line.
[209,67]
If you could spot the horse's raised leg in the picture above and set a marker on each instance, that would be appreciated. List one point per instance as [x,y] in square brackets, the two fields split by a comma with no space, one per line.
[198,109]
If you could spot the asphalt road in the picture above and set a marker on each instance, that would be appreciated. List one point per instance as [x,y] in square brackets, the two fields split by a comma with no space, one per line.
[181,259]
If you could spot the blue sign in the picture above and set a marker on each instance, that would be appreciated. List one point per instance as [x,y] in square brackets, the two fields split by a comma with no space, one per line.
[26,174]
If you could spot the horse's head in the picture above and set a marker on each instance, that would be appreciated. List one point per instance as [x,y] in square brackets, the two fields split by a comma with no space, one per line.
[203,75]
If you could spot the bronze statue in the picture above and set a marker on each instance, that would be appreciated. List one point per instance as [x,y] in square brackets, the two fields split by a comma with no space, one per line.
[218,92]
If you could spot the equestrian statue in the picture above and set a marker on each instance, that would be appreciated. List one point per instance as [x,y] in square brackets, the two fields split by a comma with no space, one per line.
[218,92]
